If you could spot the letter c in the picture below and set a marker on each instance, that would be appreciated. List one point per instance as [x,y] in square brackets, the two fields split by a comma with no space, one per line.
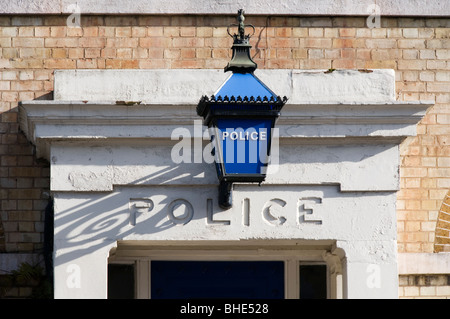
[269,208]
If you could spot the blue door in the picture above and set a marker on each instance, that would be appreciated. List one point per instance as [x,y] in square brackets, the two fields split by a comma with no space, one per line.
[217,279]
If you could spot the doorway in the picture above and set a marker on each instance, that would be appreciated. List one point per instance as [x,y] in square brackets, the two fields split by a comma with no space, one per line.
[220,273]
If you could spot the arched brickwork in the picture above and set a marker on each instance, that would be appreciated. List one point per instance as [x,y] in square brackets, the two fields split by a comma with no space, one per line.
[442,238]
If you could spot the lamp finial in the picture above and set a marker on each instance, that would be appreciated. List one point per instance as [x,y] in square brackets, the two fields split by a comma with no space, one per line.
[241,62]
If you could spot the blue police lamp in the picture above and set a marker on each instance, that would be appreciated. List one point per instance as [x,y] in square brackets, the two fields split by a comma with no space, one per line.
[240,116]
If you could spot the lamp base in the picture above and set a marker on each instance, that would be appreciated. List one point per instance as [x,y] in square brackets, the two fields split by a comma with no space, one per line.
[225,194]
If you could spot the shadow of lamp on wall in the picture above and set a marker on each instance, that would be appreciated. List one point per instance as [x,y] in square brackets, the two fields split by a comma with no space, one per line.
[240,116]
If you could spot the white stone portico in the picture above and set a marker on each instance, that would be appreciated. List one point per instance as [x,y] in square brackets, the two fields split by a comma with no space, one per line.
[330,194]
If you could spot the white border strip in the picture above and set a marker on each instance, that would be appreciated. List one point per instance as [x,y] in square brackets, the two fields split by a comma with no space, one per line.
[417,8]
[423,263]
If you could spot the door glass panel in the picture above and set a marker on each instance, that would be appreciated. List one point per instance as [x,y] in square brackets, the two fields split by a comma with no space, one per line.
[313,282]
[217,279]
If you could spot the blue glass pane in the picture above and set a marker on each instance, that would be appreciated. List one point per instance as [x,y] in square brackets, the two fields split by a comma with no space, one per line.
[217,279]
[244,85]
[245,144]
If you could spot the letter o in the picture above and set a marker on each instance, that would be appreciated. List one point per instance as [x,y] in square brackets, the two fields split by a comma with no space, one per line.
[233,135]
[182,220]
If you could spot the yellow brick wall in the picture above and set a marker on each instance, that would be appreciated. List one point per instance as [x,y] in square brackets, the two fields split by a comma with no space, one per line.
[32,47]
[424,287]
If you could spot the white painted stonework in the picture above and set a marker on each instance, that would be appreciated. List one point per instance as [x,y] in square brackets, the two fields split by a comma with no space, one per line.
[306,87]
[434,8]
[108,135]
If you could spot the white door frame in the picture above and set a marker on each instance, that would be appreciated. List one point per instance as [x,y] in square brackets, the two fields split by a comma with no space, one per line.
[293,257]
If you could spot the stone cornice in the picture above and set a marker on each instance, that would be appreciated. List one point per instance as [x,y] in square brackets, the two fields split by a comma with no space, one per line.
[45,122]
[423,263]
[333,124]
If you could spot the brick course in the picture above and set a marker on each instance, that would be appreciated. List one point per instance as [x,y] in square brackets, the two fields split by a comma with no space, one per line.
[417,49]
[424,287]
